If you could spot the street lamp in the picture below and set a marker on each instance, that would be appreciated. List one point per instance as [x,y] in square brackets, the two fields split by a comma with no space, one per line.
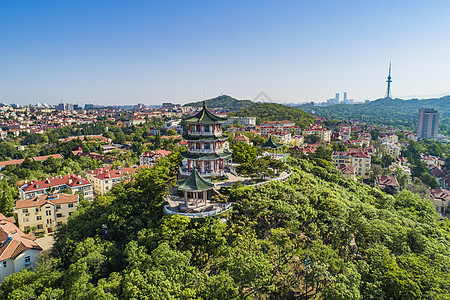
[307,262]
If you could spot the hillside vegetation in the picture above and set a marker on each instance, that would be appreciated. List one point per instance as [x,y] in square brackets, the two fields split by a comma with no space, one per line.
[361,243]
[223,101]
[276,112]
[391,112]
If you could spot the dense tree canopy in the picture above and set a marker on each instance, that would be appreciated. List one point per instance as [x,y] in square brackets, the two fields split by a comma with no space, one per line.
[361,243]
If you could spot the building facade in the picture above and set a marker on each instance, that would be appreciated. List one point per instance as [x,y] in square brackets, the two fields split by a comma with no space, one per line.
[72,182]
[44,213]
[428,124]
[104,180]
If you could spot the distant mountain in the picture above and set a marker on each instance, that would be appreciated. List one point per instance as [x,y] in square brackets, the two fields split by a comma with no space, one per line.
[223,101]
[276,112]
[391,112]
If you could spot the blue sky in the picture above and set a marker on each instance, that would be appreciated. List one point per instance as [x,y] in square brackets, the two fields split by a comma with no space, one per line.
[125,52]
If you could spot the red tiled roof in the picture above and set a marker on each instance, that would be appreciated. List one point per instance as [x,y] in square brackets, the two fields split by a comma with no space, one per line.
[13,241]
[387,181]
[116,173]
[71,180]
[440,194]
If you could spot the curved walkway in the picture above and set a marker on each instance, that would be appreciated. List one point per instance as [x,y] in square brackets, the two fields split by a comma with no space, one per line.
[212,213]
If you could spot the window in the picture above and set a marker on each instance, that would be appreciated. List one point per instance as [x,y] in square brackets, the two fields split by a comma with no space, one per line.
[59,215]
[58,206]
[40,226]
[70,213]
[27,261]
[38,218]
[5,264]
[26,228]
[59,223]
[25,210]
[25,220]
[70,205]
[48,212]
[36,210]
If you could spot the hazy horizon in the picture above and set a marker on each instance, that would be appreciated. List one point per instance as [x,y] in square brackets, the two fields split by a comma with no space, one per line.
[120,53]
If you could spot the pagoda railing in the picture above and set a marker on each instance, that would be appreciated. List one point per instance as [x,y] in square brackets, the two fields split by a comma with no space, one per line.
[185,171]
[216,132]
[193,150]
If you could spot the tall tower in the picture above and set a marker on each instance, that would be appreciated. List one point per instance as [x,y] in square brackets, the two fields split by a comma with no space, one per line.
[428,123]
[388,91]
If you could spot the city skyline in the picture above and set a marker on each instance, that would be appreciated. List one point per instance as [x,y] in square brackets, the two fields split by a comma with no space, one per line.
[120,54]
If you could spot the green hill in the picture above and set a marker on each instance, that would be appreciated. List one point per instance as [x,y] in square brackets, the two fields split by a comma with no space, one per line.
[223,101]
[360,242]
[276,112]
[392,112]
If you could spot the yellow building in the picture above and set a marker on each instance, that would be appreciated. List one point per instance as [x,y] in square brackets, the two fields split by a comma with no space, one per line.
[105,180]
[44,213]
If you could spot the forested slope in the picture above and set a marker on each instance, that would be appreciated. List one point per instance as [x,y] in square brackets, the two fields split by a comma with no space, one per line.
[362,244]
[223,101]
[276,112]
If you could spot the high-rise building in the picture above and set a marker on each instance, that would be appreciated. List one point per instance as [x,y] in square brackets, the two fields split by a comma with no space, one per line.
[60,107]
[89,106]
[428,124]
[337,97]
[69,106]
[345,96]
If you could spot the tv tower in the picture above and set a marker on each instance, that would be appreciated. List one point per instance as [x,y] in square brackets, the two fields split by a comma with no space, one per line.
[388,91]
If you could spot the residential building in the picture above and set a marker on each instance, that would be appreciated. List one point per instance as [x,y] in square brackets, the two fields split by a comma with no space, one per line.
[72,182]
[18,250]
[297,140]
[105,180]
[243,121]
[42,214]
[318,130]
[360,160]
[428,124]
[268,126]
[149,158]
[388,138]
[391,149]
[388,184]
[348,171]
[441,200]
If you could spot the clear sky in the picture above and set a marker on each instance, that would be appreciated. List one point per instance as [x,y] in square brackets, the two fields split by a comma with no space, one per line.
[125,52]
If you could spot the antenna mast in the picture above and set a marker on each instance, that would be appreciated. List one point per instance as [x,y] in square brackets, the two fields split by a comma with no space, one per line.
[388,91]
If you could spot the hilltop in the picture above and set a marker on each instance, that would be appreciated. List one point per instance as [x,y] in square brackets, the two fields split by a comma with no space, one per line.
[392,112]
[276,112]
[360,243]
[223,101]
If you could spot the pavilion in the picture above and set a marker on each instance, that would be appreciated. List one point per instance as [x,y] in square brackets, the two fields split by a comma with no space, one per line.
[271,144]
[195,189]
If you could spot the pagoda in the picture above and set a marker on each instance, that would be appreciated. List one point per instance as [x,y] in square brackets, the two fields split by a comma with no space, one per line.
[205,149]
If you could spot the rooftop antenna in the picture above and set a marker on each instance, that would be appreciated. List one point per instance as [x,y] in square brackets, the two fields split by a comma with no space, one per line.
[388,91]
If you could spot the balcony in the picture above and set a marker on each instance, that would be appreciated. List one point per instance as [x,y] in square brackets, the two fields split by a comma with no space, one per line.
[205,150]
[217,132]
[207,173]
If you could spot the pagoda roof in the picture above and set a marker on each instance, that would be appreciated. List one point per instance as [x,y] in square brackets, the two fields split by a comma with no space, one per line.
[195,183]
[204,137]
[207,155]
[205,117]
[271,144]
